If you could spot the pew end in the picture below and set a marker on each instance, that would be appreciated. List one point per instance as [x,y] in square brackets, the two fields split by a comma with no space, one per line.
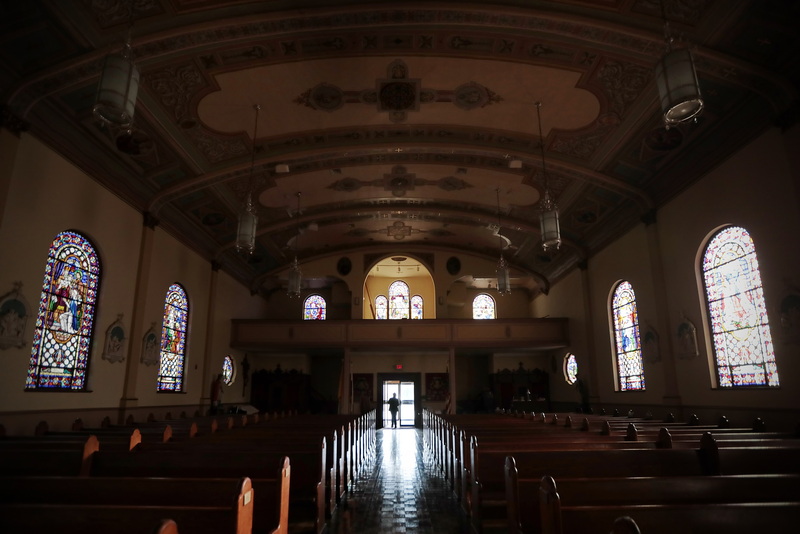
[625,525]
[167,526]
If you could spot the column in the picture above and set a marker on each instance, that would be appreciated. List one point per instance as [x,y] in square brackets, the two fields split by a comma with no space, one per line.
[591,346]
[209,372]
[451,377]
[671,395]
[10,129]
[129,398]
[345,384]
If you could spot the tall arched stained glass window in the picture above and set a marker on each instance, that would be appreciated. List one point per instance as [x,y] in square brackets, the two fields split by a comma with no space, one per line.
[398,300]
[228,370]
[416,307]
[630,369]
[63,333]
[737,313]
[381,307]
[483,307]
[173,339]
[314,308]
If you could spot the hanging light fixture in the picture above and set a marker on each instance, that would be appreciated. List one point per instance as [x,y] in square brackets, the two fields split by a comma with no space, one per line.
[248,219]
[678,85]
[119,83]
[503,278]
[295,275]
[548,211]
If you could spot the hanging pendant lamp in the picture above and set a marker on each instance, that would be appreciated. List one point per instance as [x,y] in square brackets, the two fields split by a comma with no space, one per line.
[119,84]
[678,85]
[247,217]
[295,274]
[503,276]
[548,210]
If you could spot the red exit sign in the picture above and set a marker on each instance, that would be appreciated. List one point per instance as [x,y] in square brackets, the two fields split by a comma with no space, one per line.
[398,366]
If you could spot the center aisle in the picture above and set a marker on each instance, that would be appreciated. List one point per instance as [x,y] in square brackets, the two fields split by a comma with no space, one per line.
[401,492]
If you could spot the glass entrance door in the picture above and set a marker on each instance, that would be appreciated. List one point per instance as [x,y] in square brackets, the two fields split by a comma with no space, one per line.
[405,393]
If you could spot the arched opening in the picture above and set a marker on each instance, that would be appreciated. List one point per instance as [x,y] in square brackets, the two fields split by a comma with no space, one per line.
[399,287]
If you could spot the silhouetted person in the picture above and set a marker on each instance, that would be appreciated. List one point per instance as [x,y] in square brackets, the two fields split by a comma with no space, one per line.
[394,406]
[583,391]
[216,394]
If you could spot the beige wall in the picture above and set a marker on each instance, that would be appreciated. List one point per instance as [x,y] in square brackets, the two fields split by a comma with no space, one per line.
[755,189]
[47,195]
[566,299]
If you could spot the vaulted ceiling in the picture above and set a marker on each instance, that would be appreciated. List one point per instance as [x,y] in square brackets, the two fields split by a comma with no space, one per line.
[399,124]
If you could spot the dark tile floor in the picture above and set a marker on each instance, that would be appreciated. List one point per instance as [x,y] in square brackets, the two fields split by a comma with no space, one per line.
[402,491]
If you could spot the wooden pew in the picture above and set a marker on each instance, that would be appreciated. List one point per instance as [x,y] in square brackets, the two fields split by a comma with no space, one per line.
[271,502]
[705,518]
[115,438]
[227,507]
[307,491]
[46,456]
[549,433]
[488,484]
[524,515]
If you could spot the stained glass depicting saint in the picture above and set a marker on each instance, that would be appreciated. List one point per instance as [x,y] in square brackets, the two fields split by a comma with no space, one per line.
[381,307]
[630,368]
[62,336]
[398,300]
[483,307]
[737,312]
[173,340]
[416,307]
[314,308]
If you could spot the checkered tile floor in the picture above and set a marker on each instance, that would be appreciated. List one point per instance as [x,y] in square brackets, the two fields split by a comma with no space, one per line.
[402,492]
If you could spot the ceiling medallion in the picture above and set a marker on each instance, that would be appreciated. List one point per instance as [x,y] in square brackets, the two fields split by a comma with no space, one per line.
[399,231]
[397,94]
[399,181]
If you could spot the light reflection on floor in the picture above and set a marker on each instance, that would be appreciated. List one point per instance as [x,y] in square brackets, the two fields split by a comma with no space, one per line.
[401,492]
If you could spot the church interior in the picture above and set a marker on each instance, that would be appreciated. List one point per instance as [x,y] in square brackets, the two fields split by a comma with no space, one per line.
[550,206]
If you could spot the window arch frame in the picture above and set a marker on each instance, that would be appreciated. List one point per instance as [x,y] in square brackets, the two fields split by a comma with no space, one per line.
[61,253]
[754,298]
[173,383]
[323,308]
[623,381]
[488,298]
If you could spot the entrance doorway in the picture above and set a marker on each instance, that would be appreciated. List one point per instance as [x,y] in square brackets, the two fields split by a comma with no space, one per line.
[405,394]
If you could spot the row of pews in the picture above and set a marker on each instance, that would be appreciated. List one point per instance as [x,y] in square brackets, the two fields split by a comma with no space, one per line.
[584,474]
[227,474]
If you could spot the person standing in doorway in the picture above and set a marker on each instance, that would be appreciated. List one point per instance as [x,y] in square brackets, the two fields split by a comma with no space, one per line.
[394,406]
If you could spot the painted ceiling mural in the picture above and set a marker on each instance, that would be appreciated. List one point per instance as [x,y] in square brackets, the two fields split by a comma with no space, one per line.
[398,125]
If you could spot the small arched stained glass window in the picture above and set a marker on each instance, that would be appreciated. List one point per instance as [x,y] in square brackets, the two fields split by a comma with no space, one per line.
[173,340]
[398,300]
[737,313]
[570,368]
[63,333]
[228,370]
[416,307]
[314,308]
[628,348]
[381,307]
[483,307]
